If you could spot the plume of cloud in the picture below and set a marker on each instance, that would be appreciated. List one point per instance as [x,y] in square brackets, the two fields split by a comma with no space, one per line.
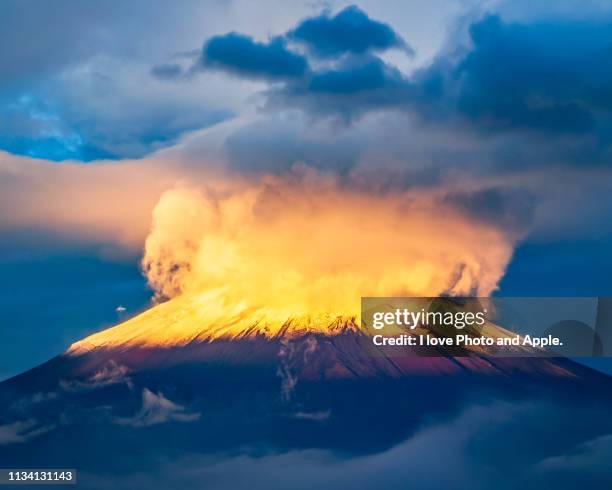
[304,243]
[349,31]
[110,374]
[157,409]
[288,378]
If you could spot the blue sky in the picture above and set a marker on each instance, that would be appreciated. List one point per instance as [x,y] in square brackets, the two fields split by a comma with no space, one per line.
[508,102]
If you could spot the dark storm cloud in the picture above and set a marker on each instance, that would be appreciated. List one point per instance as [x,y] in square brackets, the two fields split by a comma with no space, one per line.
[348,90]
[551,76]
[530,77]
[544,77]
[349,31]
[352,81]
[370,74]
[246,57]
[529,80]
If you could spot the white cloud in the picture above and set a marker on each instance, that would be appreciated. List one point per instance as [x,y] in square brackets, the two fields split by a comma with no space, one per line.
[21,431]
[110,374]
[157,409]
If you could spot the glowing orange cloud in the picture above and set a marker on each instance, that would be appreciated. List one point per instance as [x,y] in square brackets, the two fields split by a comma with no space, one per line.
[287,255]
[304,244]
[233,251]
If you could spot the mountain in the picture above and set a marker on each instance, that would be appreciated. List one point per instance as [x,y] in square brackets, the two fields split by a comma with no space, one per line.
[177,383]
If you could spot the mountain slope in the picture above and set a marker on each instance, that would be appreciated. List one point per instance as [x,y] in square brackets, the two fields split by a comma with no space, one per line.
[129,397]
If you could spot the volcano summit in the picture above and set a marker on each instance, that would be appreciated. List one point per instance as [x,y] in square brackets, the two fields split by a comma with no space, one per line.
[244,386]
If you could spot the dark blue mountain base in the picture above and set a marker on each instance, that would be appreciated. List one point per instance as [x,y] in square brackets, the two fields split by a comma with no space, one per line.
[210,410]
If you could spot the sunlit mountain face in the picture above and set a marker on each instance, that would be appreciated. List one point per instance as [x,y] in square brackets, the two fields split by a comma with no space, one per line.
[176,398]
